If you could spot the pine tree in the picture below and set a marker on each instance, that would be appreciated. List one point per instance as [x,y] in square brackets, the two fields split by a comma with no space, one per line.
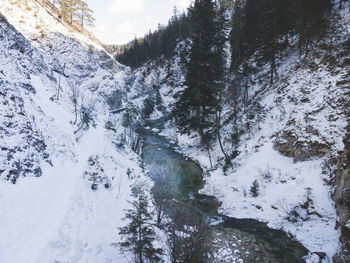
[148,108]
[84,14]
[270,38]
[220,69]
[129,117]
[236,34]
[156,44]
[254,189]
[196,106]
[68,9]
[138,234]
[311,21]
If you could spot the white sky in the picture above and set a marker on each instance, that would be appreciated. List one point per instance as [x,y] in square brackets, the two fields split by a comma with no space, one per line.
[119,21]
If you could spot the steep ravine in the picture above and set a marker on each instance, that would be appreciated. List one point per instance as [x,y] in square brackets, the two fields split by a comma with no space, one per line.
[255,241]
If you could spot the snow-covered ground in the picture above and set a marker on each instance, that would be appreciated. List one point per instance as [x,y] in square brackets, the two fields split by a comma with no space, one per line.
[284,183]
[58,216]
[52,214]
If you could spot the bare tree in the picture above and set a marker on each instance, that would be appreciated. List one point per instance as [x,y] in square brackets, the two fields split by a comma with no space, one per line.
[86,113]
[59,88]
[218,128]
[162,192]
[189,237]
[75,99]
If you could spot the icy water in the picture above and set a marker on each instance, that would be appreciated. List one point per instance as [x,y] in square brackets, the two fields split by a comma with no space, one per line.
[247,239]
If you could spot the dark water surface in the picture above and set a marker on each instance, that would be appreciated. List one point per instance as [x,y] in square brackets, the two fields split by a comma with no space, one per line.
[251,240]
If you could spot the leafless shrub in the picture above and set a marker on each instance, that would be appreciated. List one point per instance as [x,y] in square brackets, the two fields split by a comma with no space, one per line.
[266,174]
[74,98]
[189,237]
[86,111]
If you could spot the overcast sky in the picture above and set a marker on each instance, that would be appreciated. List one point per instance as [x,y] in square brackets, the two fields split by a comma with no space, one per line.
[118,21]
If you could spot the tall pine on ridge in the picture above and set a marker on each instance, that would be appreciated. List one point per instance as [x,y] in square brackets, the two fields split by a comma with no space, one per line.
[68,9]
[84,14]
[76,9]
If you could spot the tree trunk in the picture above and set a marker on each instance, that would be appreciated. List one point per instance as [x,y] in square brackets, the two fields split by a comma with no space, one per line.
[273,70]
[82,21]
[75,113]
[273,54]
[286,40]
[58,87]
[211,163]
[219,135]
[160,212]
[140,247]
[130,135]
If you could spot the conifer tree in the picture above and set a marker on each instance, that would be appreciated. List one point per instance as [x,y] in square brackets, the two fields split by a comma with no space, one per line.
[68,9]
[129,117]
[196,106]
[311,20]
[236,34]
[138,234]
[156,44]
[270,37]
[254,189]
[84,14]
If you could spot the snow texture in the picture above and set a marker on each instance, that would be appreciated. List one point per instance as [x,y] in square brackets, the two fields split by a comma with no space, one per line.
[49,211]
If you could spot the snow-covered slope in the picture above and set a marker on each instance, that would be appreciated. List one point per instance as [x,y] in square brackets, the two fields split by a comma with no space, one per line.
[48,161]
[58,140]
[287,138]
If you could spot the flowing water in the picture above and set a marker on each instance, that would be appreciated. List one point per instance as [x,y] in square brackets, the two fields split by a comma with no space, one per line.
[247,239]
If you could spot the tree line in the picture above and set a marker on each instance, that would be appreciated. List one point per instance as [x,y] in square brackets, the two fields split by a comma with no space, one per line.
[266,25]
[153,45]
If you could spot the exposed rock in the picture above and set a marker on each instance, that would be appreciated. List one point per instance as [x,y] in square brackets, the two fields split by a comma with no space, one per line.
[341,198]
[105,61]
[300,149]
[23,147]
[209,204]
[343,256]
[321,255]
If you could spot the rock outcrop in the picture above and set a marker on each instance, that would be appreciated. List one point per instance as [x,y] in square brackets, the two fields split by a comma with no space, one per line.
[290,145]
[341,198]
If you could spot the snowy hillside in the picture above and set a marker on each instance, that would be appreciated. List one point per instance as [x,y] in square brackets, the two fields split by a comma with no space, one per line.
[54,151]
[287,139]
[67,165]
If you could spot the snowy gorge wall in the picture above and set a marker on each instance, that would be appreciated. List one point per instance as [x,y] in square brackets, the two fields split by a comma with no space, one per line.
[296,132]
[48,160]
